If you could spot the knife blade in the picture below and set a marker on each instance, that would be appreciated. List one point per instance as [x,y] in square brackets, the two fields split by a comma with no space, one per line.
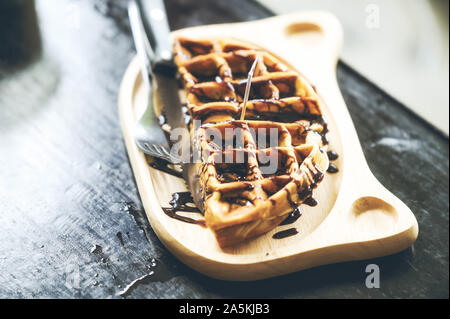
[147,128]
[166,88]
[162,67]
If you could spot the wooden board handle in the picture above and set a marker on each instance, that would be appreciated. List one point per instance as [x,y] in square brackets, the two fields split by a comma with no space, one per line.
[302,37]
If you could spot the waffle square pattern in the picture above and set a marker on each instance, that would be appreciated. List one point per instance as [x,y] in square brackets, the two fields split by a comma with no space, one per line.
[252,172]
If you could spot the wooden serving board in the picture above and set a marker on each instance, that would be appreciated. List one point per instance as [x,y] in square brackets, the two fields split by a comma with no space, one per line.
[357,218]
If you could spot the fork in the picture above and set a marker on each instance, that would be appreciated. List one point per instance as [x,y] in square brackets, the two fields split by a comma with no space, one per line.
[148,134]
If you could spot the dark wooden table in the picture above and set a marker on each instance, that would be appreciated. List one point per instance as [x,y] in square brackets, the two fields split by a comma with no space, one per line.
[66,184]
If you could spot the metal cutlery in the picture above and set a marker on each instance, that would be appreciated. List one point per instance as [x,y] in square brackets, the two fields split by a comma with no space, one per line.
[156,70]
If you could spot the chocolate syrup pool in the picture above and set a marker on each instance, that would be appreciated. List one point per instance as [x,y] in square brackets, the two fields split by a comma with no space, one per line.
[179,203]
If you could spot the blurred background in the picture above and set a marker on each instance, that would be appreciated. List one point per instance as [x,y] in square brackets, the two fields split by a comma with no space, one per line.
[400,45]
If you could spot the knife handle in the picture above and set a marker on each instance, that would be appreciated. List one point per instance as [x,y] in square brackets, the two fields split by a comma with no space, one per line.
[157,28]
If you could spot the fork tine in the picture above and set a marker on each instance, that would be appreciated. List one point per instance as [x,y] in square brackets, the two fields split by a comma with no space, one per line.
[147,148]
[151,152]
[160,151]
[157,151]
[164,151]
[174,159]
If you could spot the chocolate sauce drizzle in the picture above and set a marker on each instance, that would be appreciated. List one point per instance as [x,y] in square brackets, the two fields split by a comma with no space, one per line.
[285,233]
[332,155]
[306,196]
[163,166]
[332,169]
[310,201]
[307,192]
[179,203]
[292,217]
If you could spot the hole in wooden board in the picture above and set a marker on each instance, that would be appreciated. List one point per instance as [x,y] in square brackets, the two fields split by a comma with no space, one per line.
[307,32]
[373,217]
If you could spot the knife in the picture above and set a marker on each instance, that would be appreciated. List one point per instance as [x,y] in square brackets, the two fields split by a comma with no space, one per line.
[166,88]
[162,67]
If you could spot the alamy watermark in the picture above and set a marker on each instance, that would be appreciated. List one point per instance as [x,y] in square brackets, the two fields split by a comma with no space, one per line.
[230,145]
[373,277]
[373,16]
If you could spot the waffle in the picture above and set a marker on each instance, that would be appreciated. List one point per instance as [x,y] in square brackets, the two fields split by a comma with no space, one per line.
[233,185]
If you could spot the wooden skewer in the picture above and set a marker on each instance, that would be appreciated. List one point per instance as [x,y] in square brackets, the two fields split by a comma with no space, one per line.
[247,87]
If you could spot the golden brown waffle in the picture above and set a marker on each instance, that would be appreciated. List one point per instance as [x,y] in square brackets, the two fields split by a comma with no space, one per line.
[242,198]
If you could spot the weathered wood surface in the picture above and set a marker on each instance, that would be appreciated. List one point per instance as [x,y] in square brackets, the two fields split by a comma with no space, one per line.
[66,184]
